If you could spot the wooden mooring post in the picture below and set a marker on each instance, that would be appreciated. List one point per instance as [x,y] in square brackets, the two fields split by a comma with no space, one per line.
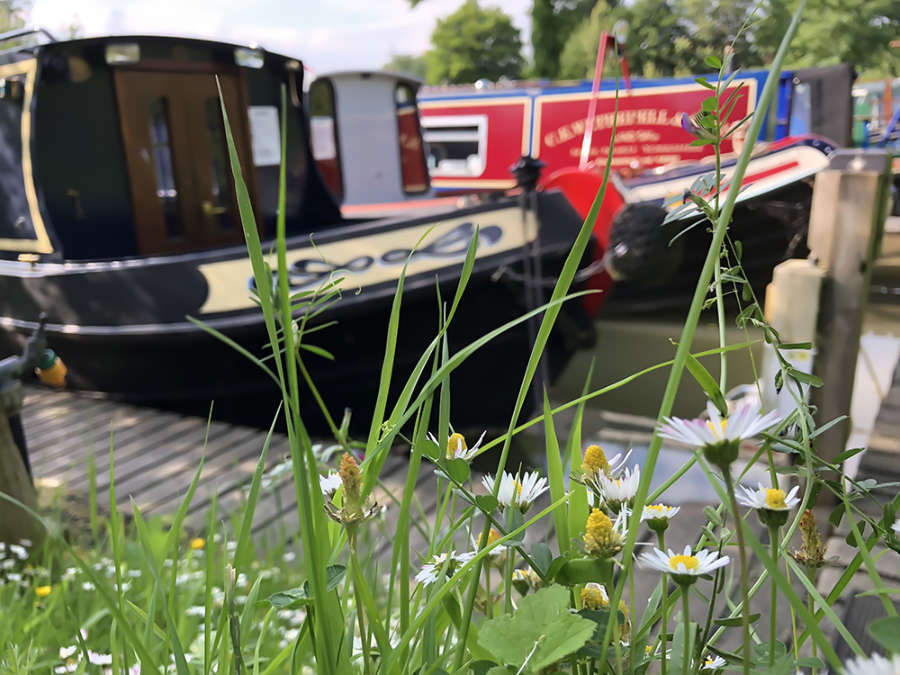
[846,224]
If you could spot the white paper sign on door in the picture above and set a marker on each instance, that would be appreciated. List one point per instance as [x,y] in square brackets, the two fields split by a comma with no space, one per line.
[265,135]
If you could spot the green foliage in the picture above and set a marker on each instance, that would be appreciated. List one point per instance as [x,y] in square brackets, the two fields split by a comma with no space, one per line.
[677,37]
[474,43]
[409,64]
[552,21]
[541,631]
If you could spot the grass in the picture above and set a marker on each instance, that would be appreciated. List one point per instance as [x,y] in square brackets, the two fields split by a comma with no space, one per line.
[462,589]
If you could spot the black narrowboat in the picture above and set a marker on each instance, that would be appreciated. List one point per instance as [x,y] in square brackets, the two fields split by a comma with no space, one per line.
[119,221]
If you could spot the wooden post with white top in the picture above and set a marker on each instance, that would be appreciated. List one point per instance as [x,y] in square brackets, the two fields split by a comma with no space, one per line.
[845,227]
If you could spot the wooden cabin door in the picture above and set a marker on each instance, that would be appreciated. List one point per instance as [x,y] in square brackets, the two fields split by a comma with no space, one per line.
[181,184]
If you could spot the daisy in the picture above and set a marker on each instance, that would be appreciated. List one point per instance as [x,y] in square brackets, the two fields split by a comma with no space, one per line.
[445,563]
[618,491]
[602,537]
[771,499]
[713,663]
[595,462]
[517,491]
[657,516]
[330,483]
[457,448]
[874,665]
[594,596]
[719,439]
[684,567]
[659,511]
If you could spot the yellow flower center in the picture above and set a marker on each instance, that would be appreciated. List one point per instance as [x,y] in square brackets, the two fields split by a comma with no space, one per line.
[658,510]
[594,460]
[690,562]
[454,443]
[518,487]
[598,525]
[721,430]
[593,596]
[775,499]
[198,543]
[42,591]
[493,536]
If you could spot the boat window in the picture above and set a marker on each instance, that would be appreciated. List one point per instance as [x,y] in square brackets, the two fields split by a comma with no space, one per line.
[166,191]
[220,185]
[323,134]
[413,168]
[457,144]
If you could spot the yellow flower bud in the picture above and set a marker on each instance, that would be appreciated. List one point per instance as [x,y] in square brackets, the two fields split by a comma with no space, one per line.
[42,591]
[594,460]
[198,543]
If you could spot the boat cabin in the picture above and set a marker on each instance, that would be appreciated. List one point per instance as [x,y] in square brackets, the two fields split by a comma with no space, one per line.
[115,147]
[366,137]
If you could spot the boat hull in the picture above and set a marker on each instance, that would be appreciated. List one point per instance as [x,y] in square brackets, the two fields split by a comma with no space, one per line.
[124,327]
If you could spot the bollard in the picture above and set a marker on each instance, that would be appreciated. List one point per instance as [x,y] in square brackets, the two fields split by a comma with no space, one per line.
[15,472]
[792,308]
[846,223]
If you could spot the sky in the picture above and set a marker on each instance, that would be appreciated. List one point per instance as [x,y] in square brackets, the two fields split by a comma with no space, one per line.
[325,34]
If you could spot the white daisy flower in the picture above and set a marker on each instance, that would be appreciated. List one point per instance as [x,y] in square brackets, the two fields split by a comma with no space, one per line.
[659,511]
[685,567]
[596,462]
[19,551]
[518,491]
[744,423]
[773,499]
[457,448]
[442,563]
[713,663]
[874,665]
[619,490]
[330,483]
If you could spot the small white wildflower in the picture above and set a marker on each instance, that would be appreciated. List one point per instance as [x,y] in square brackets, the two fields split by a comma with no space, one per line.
[896,527]
[622,490]
[99,659]
[686,565]
[196,610]
[744,423]
[19,551]
[457,448]
[330,483]
[446,562]
[658,511]
[874,665]
[773,499]
[87,586]
[517,491]
[66,652]
[713,663]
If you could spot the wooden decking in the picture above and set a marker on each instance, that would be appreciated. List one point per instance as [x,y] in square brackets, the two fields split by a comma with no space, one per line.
[156,454]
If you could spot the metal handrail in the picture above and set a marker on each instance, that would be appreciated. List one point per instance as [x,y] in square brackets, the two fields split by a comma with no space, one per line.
[23,32]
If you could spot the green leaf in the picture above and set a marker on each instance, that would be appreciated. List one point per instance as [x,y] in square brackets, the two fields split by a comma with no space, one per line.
[886,632]
[847,454]
[542,557]
[709,104]
[703,82]
[805,378]
[555,478]
[583,570]
[541,632]
[810,662]
[334,574]
[713,61]
[457,469]
[487,503]
[708,383]
[735,620]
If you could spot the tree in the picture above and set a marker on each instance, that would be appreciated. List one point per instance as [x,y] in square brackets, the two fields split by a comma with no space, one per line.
[474,43]
[552,22]
[12,14]
[830,33]
[580,51]
[408,64]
